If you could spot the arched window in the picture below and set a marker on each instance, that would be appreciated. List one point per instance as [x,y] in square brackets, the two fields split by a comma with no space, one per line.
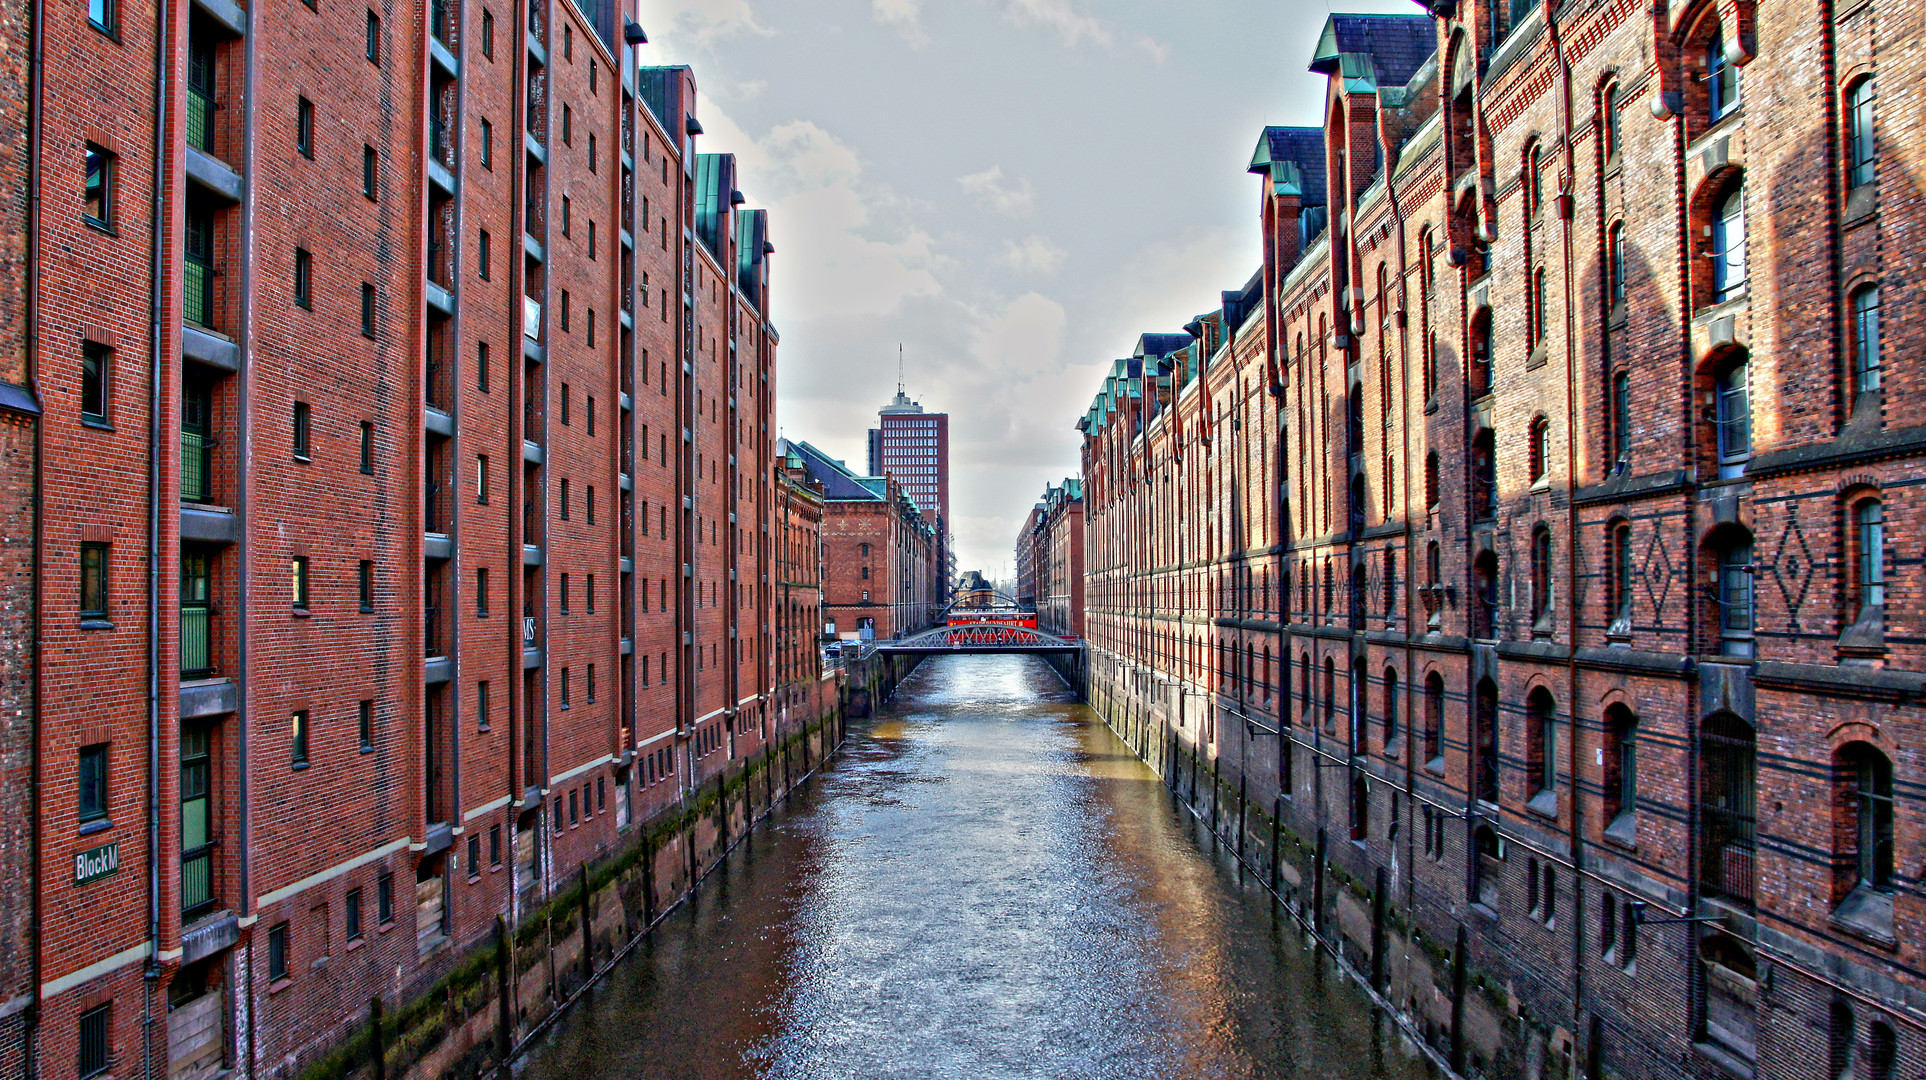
[1304,685]
[1733,555]
[1538,308]
[1615,263]
[1390,707]
[1732,415]
[1728,752]
[1728,246]
[1883,1058]
[1618,578]
[1541,728]
[1621,419]
[1839,1039]
[1610,109]
[1538,448]
[1487,868]
[1264,684]
[1360,685]
[1479,371]
[1534,182]
[1250,667]
[1431,480]
[1484,596]
[1360,806]
[1860,152]
[1863,778]
[1484,475]
[1434,704]
[1330,696]
[1541,579]
[1721,79]
[1869,556]
[1484,741]
[1621,773]
[1865,339]
[1430,367]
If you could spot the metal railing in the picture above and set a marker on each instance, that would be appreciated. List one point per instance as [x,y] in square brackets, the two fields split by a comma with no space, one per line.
[197,466]
[200,119]
[197,291]
[431,632]
[197,653]
[197,880]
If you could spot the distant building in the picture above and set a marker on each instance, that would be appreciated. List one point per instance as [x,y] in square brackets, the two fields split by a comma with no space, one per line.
[913,448]
[1049,555]
[799,590]
[882,569]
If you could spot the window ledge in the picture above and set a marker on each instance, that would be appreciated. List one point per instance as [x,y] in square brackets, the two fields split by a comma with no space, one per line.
[299,456]
[299,766]
[94,622]
[1867,913]
[1436,766]
[98,825]
[1862,204]
[98,423]
[301,613]
[1544,804]
[1623,832]
[279,985]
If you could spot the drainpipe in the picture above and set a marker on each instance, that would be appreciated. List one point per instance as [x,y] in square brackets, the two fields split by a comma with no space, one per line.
[1575,825]
[36,881]
[156,224]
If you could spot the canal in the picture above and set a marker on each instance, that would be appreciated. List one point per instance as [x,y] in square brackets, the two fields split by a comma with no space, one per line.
[985,884]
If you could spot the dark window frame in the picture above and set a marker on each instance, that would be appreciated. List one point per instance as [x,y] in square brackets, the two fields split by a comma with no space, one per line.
[95,580]
[91,783]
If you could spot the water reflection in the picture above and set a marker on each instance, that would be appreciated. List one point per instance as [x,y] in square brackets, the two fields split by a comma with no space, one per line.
[985,884]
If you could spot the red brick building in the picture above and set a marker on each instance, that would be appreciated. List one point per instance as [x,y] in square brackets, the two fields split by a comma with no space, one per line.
[427,366]
[798,529]
[1050,560]
[1531,530]
[881,574]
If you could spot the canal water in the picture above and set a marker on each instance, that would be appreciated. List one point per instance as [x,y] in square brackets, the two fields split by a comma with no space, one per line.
[986,883]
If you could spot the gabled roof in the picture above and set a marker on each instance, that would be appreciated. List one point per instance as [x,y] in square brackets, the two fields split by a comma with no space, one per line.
[1383,49]
[839,481]
[1302,150]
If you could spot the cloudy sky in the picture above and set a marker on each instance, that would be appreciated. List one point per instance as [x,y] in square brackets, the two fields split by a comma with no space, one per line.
[1012,190]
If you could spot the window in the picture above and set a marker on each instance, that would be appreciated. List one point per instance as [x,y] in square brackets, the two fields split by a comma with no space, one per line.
[481,705]
[484,259]
[565,311]
[1859,134]
[481,366]
[302,426]
[487,147]
[298,580]
[481,592]
[364,583]
[1535,182]
[568,131]
[94,376]
[566,215]
[304,127]
[364,725]
[588,600]
[1734,560]
[1883,1052]
[481,479]
[1431,481]
[100,186]
[385,898]
[474,856]
[278,952]
[565,592]
[1615,259]
[1728,247]
[1434,695]
[93,581]
[367,310]
[1611,111]
[101,13]
[591,241]
[1390,708]
[565,686]
[1621,417]
[1865,339]
[1538,308]
[591,671]
[1618,580]
[1621,772]
[488,34]
[1541,579]
[92,794]
[1721,79]
[1866,792]
[351,910]
[1869,562]
[564,499]
[565,403]
[1542,720]
[591,397]
[1538,435]
[1732,414]
[374,38]
[368,171]
[94,1041]
[367,447]
[568,43]
[494,845]
[298,738]
[1726,806]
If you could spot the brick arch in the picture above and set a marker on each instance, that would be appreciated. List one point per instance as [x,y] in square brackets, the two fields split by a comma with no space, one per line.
[1846,732]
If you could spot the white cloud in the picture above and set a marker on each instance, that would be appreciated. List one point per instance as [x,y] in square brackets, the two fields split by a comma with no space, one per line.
[1032,255]
[705,21]
[1009,198]
[1072,26]
[904,15]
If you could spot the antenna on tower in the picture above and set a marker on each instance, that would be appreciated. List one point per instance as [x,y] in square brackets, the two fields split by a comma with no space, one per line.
[899,369]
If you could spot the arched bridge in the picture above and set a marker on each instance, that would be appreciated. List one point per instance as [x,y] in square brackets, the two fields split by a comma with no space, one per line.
[981,639]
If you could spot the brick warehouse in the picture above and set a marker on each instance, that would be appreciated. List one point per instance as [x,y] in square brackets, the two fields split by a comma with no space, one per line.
[1521,552]
[882,557]
[402,544]
[1049,560]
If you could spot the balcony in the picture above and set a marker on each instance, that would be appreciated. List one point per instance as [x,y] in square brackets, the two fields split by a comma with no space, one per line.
[200,119]
[197,466]
[197,641]
[197,292]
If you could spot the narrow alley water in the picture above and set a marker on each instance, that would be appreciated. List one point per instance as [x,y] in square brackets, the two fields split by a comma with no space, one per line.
[985,884]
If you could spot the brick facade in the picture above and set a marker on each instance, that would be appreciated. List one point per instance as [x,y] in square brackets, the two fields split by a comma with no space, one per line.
[1531,527]
[452,449]
[881,568]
